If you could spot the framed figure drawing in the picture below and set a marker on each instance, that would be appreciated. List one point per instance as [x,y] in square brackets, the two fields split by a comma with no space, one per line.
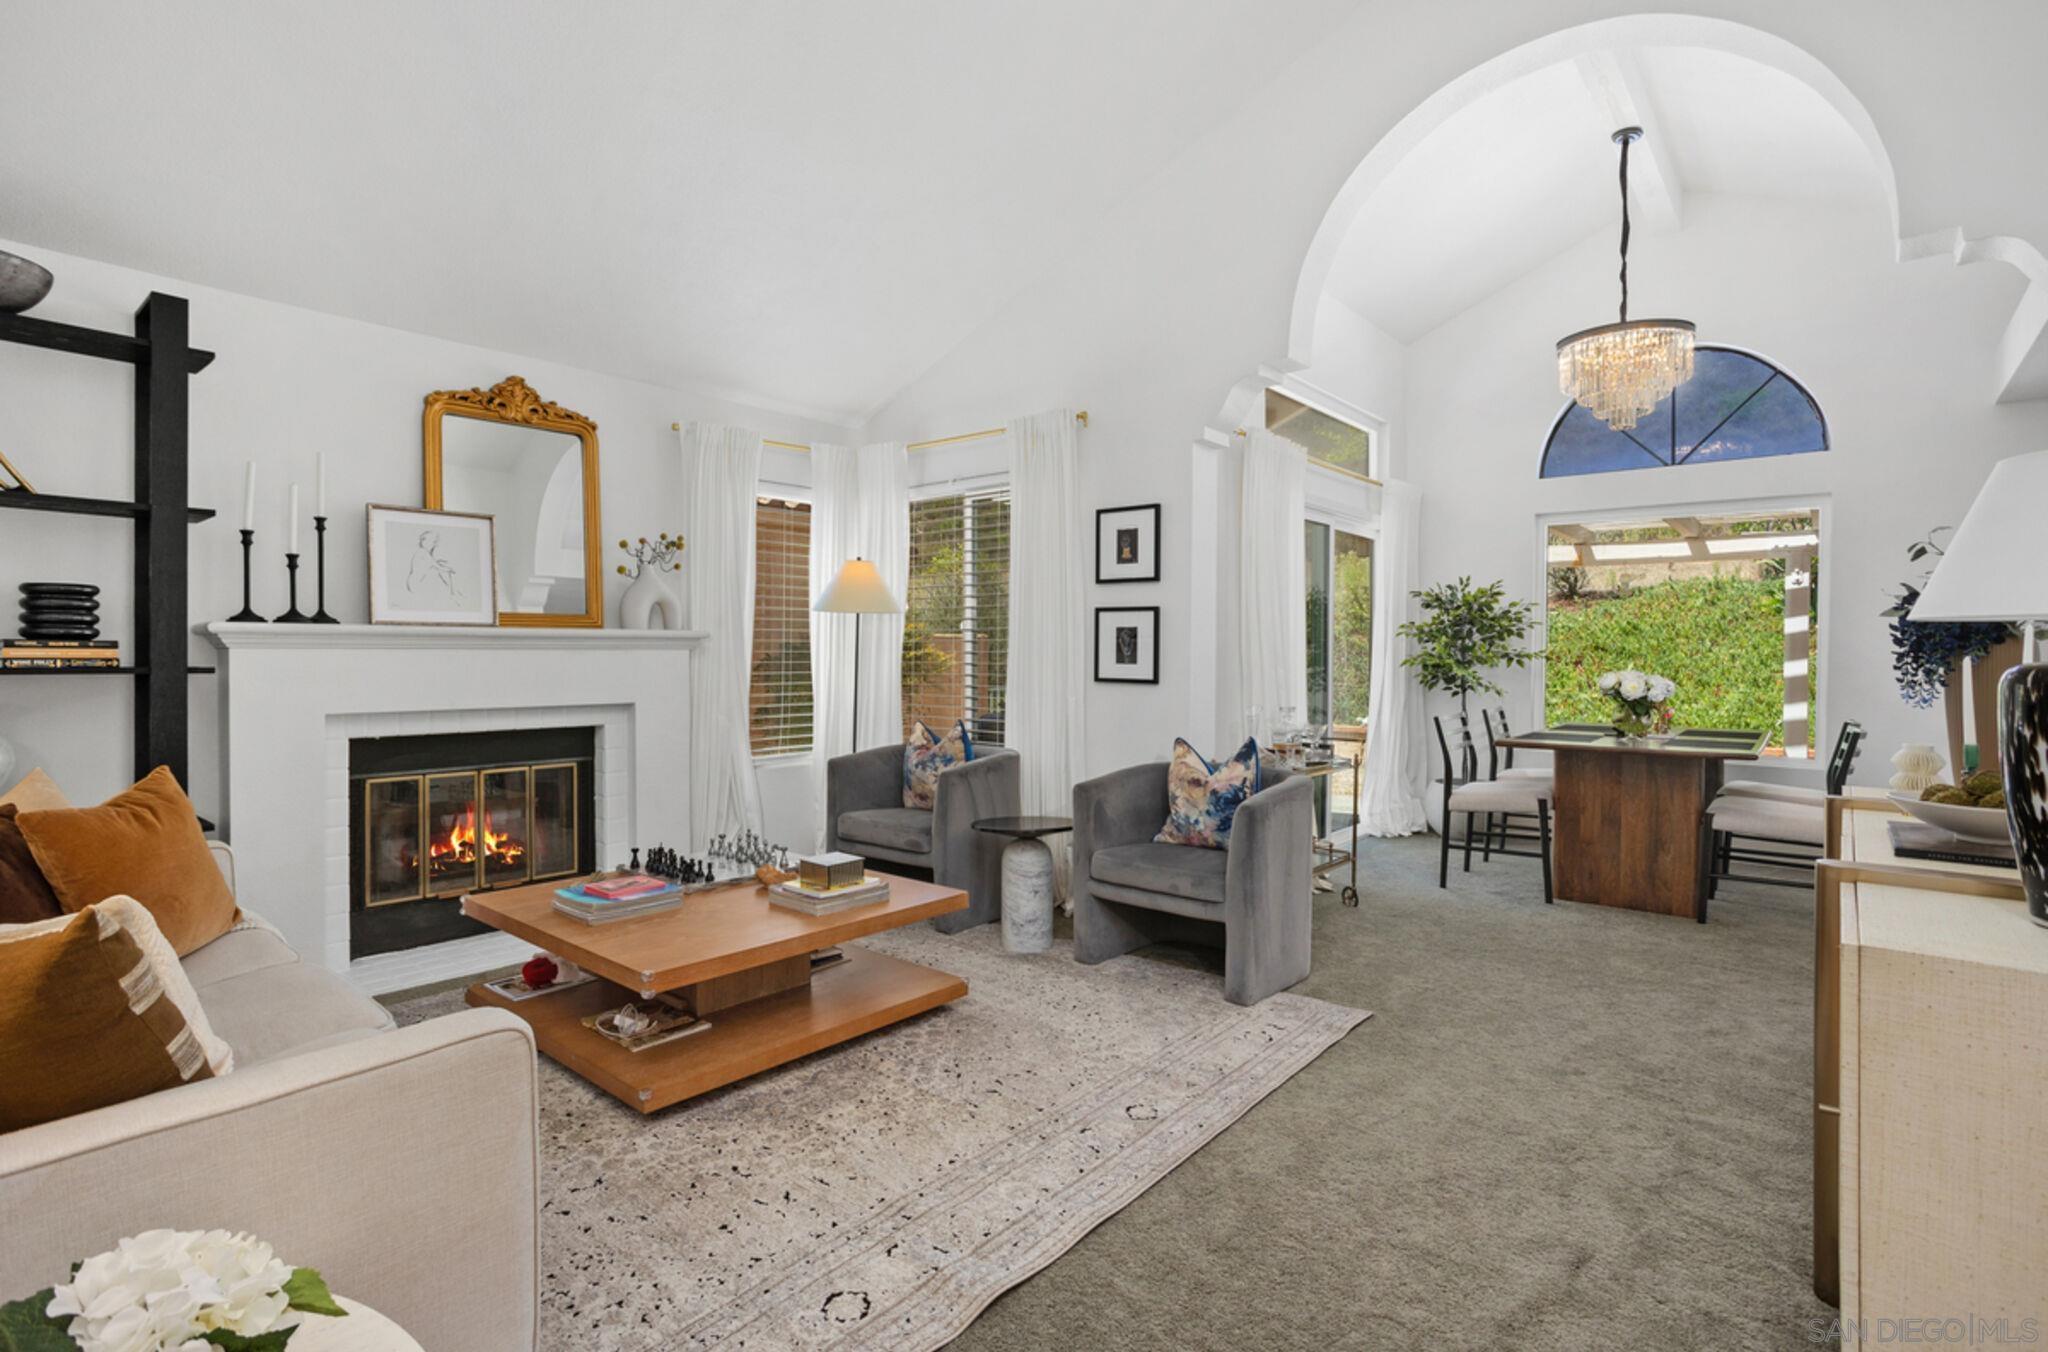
[1127,644]
[430,567]
[1127,544]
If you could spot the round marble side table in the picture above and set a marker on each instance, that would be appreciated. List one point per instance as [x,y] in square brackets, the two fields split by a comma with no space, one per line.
[1027,879]
[363,1331]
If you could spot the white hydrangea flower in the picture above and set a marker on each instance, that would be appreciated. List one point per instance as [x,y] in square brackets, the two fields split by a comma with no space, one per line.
[164,1290]
[1634,685]
[1662,688]
[1609,680]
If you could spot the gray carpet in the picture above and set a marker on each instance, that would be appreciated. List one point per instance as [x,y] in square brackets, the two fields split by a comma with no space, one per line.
[1565,1127]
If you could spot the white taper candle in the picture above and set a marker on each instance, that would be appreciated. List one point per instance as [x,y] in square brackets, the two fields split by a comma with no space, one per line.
[249,498]
[320,483]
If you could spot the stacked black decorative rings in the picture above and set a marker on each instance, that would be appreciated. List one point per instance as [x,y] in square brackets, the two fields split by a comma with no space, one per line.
[59,612]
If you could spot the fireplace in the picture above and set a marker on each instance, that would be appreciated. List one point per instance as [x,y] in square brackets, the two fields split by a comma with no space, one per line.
[433,817]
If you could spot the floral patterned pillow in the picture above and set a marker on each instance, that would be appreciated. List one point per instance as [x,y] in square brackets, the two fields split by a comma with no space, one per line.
[1202,799]
[925,753]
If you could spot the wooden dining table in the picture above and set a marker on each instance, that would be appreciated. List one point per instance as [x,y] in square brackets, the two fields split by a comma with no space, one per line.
[1629,814]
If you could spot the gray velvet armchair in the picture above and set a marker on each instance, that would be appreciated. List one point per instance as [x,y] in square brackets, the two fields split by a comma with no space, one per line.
[864,815]
[1130,890]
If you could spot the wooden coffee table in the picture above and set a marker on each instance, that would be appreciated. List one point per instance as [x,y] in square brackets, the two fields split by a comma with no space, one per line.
[743,964]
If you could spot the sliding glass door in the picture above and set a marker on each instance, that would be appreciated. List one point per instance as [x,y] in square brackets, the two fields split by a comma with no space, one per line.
[1338,566]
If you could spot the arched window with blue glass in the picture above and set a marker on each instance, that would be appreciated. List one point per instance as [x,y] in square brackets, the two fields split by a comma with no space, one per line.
[1737,406]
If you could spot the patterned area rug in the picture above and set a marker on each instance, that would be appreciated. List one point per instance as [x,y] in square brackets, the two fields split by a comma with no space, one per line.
[882,1193]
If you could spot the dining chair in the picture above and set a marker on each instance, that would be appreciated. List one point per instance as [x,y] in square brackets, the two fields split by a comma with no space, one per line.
[1500,760]
[1513,797]
[1500,764]
[1775,825]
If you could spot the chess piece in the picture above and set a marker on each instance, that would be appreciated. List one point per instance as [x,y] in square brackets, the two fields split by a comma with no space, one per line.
[635,865]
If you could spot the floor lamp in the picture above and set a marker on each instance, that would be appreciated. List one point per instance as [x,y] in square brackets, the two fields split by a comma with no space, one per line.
[857,590]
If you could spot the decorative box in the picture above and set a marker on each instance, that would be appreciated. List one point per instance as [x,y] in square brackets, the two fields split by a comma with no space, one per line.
[821,871]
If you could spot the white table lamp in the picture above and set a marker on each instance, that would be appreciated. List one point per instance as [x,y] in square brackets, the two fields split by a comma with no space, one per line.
[857,590]
[1996,569]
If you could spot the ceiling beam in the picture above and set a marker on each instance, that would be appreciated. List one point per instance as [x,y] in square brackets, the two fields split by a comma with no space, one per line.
[1615,82]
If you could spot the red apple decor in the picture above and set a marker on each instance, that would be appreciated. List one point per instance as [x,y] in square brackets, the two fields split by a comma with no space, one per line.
[540,971]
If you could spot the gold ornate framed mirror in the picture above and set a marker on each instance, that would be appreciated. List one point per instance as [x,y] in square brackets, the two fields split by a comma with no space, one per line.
[530,464]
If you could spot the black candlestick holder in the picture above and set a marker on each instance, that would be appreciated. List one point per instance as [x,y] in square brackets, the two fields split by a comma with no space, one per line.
[294,615]
[320,615]
[247,614]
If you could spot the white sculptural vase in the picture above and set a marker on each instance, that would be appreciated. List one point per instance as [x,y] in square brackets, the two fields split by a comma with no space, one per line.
[1918,765]
[650,596]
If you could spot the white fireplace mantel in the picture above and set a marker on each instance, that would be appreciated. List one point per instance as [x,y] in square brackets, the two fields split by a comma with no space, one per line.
[228,636]
[294,695]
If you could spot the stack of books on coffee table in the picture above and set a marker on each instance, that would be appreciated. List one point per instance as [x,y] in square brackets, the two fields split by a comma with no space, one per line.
[600,900]
[795,896]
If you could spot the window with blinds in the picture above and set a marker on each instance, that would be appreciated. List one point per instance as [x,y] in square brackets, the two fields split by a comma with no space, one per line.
[956,630]
[779,696]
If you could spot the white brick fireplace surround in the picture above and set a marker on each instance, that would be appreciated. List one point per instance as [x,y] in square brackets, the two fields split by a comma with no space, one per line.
[292,695]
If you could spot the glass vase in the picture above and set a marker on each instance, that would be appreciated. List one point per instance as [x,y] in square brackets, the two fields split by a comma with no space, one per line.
[1635,727]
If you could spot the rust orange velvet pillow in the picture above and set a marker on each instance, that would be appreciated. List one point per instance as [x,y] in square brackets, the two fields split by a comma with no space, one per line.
[144,843]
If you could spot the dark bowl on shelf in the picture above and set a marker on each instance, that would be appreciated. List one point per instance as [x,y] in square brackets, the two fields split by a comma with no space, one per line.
[22,284]
[59,589]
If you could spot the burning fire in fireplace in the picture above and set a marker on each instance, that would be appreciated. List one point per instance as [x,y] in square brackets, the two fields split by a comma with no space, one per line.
[433,834]
[457,847]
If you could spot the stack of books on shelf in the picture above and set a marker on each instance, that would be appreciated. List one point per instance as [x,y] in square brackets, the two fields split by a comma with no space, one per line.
[24,654]
[795,896]
[622,896]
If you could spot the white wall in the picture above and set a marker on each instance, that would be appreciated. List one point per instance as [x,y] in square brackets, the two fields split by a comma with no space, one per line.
[1166,318]
[286,383]
[1186,292]
[1895,355]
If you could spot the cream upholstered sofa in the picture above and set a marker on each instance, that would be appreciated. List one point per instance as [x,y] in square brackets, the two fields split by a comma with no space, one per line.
[401,1162]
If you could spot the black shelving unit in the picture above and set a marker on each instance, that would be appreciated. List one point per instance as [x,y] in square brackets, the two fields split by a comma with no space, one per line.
[95,671]
[164,361]
[57,502]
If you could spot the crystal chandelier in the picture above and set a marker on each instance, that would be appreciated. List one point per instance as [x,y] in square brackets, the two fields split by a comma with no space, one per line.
[1622,371]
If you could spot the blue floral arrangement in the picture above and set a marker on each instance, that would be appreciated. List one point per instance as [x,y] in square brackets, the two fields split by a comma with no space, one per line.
[1924,652]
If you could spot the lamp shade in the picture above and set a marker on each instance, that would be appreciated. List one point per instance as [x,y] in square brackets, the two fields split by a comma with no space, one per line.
[1993,568]
[857,590]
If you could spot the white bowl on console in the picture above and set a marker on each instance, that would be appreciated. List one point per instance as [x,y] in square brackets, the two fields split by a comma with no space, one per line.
[1971,823]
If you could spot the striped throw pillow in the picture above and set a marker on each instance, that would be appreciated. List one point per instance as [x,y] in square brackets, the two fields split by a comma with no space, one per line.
[89,1017]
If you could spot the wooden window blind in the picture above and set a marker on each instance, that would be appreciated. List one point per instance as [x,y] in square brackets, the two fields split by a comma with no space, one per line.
[956,632]
[779,695]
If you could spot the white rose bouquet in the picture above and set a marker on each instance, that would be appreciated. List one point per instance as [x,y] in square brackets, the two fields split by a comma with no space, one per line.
[171,1291]
[1642,700]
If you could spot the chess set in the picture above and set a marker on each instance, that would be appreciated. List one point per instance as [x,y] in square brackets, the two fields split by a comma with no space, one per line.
[728,859]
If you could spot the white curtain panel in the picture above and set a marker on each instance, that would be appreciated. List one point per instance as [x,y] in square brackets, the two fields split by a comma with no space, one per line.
[860,508]
[835,503]
[722,466]
[1272,586]
[883,527]
[1396,747]
[1047,676]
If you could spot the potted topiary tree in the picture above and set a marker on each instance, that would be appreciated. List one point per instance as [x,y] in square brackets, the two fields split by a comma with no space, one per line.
[1466,632]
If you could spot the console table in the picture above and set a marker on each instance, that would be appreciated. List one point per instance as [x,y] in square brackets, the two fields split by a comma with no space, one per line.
[1930,1084]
